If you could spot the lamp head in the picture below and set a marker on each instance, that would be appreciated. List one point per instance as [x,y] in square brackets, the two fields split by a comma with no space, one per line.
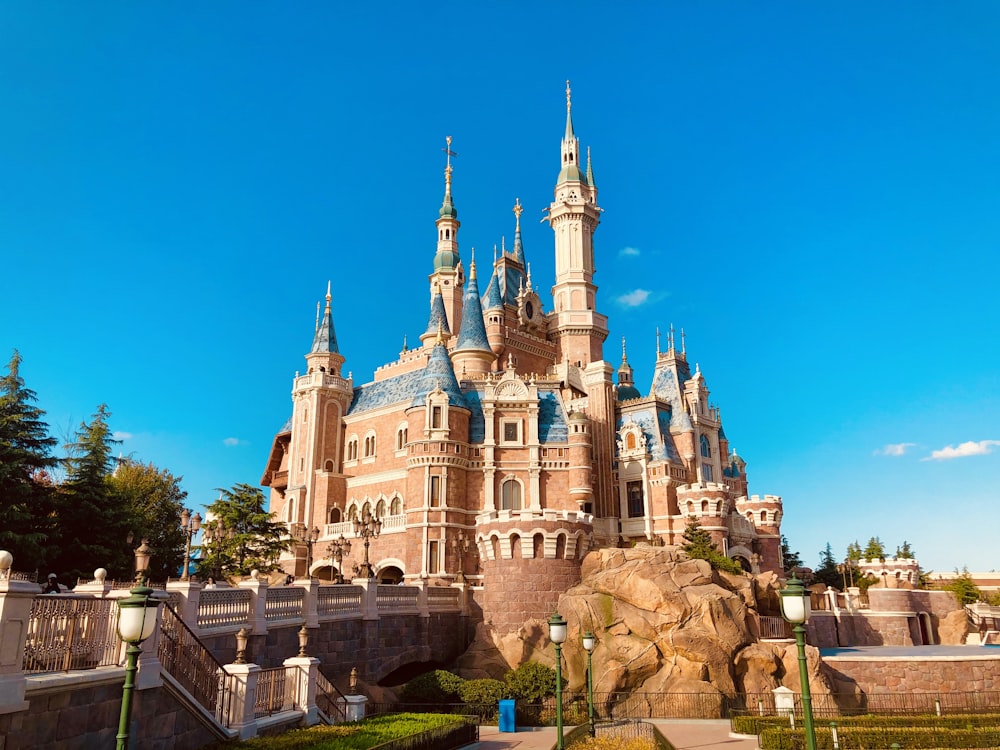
[142,555]
[589,642]
[795,602]
[557,628]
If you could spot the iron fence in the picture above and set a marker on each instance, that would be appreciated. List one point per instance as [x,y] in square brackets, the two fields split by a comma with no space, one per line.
[273,693]
[71,632]
[330,700]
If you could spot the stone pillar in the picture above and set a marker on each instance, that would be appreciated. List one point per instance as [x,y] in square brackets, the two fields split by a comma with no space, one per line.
[853,598]
[148,675]
[239,708]
[302,672]
[15,610]
[187,610]
[784,701]
[100,587]
[369,603]
[310,601]
[353,706]
[422,605]
[258,604]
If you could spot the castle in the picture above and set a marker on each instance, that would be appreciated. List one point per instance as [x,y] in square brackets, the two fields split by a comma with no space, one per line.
[501,450]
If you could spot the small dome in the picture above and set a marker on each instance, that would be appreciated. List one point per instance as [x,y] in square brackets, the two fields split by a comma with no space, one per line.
[571,172]
[446,259]
[448,209]
[628,392]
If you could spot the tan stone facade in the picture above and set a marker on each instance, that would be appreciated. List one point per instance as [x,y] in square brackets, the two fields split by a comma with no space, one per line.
[502,449]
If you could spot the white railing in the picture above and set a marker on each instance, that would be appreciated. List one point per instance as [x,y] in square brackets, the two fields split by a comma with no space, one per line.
[71,632]
[284,603]
[332,601]
[390,525]
[397,598]
[220,608]
[442,598]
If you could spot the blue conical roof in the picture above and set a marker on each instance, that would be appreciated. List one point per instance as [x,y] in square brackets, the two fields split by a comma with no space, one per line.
[472,333]
[325,340]
[439,319]
[493,297]
[438,373]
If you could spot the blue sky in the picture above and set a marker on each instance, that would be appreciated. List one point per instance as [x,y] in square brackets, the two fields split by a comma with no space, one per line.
[810,190]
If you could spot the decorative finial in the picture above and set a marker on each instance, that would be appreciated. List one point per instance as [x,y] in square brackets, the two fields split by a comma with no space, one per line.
[328,297]
[529,277]
[503,245]
[657,341]
[404,343]
[517,213]
[683,342]
[447,167]
[494,253]
[472,265]
[624,357]
[440,334]
[317,315]
[671,337]
[568,92]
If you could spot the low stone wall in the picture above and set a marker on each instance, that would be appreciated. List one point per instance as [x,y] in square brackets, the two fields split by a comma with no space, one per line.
[909,674]
[829,630]
[65,713]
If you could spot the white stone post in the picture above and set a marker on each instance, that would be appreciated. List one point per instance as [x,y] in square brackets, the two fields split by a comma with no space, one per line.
[187,610]
[353,706]
[238,711]
[310,601]
[258,604]
[423,606]
[148,675]
[784,701]
[302,672]
[15,611]
[853,598]
[369,602]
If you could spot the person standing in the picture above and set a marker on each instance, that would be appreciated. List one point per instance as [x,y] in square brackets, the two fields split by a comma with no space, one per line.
[52,585]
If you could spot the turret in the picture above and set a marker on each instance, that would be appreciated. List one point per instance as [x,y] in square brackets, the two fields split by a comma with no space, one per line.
[448,276]
[472,351]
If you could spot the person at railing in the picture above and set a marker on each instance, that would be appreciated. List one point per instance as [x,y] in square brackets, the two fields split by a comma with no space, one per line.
[52,585]
[211,583]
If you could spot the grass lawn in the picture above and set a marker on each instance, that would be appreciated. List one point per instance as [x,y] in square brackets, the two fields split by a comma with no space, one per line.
[356,736]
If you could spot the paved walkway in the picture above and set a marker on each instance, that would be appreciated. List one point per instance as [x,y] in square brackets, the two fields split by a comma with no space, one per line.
[682,734]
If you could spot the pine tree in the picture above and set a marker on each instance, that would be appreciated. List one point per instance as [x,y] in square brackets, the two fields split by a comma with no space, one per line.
[93,527]
[874,550]
[698,545]
[904,552]
[964,588]
[240,535]
[791,560]
[153,499]
[826,572]
[25,457]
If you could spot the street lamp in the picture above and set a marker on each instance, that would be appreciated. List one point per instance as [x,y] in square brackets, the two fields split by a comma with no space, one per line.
[336,550]
[557,634]
[367,528]
[189,526]
[302,534]
[589,642]
[462,546]
[136,622]
[795,609]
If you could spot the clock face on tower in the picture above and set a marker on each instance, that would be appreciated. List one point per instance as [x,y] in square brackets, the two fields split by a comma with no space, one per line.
[529,310]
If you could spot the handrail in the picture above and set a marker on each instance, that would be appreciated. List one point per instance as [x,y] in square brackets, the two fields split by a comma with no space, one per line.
[327,695]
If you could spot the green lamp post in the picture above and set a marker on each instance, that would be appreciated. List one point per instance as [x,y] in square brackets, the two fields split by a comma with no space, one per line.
[136,622]
[795,609]
[589,642]
[557,634]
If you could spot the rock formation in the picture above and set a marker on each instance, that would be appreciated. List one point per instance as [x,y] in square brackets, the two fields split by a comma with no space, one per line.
[664,624]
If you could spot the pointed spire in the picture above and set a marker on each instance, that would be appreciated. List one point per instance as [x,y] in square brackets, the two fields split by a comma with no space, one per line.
[438,320]
[493,298]
[317,316]
[624,355]
[438,375]
[569,112]
[570,147]
[590,169]
[518,247]
[472,332]
[325,339]
[447,207]
[657,341]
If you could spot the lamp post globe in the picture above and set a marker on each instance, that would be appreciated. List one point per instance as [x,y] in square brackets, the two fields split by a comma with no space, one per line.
[589,643]
[137,621]
[557,634]
[796,610]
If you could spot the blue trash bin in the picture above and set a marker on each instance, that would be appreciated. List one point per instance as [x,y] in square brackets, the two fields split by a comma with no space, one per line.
[508,715]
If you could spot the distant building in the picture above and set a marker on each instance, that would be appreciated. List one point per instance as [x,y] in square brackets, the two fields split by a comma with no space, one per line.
[501,449]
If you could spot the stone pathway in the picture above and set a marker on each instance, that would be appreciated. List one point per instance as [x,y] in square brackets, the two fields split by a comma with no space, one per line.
[683,735]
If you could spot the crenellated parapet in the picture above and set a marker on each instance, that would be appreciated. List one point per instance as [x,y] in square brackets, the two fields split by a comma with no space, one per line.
[764,512]
[703,500]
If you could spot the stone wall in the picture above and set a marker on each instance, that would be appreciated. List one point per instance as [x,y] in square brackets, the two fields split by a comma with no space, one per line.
[942,674]
[86,716]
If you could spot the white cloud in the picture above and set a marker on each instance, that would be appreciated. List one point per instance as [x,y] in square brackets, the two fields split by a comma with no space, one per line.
[628,252]
[231,441]
[894,449]
[970,448]
[634,298]
[117,435]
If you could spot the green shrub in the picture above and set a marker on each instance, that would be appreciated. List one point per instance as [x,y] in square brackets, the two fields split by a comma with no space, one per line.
[482,691]
[438,686]
[531,681]
[855,738]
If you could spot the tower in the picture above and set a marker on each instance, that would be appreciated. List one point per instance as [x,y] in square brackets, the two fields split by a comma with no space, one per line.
[448,276]
[576,326]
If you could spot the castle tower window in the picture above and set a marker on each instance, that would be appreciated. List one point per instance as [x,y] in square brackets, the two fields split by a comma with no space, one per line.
[380,509]
[334,515]
[510,431]
[328,466]
[636,503]
[352,448]
[706,449]
[510,495]
[352,513]
[433,550]
[630,441]
[401,438]
[706,473]
[370,445]
[436,414]
[396,506]
[434,491]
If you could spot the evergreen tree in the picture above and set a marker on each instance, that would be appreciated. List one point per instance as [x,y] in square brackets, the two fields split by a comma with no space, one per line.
[698,545]
[93,528]
[904,552]
[874,550]
[826,572]
[25,457]
[240,535]
[792,560]
[152,500]
[964,588]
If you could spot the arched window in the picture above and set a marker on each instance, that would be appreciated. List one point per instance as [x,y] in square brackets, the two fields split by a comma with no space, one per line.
[366,509]
[334,515]
[370,445]
[401,438]
[763,516]
[706,449]
[704,507]
[510,495]
[352,448]
[328,466]
[352,513]
[396,506]
[380,509]
[630,441]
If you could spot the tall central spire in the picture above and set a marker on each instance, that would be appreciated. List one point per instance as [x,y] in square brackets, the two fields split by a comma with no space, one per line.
[570,146]
[448,275]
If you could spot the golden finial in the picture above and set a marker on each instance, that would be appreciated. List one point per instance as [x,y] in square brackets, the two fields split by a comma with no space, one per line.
[440,334]
[568,91]
[328,297]
[472,265]
[683,343]
[518,209]
[447,167]
[623,347]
